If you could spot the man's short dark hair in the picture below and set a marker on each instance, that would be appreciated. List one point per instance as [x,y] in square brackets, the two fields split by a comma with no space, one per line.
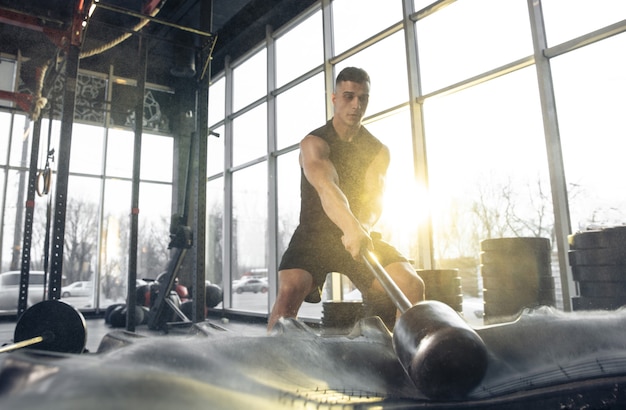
[354,74]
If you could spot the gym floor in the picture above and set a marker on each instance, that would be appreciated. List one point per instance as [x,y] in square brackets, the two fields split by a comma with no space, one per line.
[239,324]
[97,329]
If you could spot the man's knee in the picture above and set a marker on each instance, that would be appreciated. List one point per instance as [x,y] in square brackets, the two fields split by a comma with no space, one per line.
[408,281]
[294,283]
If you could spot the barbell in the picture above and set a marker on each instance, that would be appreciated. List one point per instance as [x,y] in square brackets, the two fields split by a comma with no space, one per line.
[50,325]
[444,357]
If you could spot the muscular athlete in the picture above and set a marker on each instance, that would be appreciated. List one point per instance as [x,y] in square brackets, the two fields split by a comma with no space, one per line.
[343,170]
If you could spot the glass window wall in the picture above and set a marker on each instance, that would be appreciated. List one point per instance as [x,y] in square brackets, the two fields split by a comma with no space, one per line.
[300,110]
[467,38]
[97,215]
[250,135]
[589,85]
[217,102]
[568,19]
[385,62]
[249,235]
[357,20]
[250,80]
[299,50]
[487,165]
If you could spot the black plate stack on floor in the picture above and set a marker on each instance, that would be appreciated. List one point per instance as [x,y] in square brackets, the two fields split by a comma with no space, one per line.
[516,274]
[339,316]
[443,285]
[598,261]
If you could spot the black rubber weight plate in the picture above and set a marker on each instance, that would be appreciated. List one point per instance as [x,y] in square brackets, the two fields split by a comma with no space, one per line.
[435,292]
[599,256]
[529,259]
[65,325]
[588,303]
[516,245]
[603,289]
[598,273]
[602,238]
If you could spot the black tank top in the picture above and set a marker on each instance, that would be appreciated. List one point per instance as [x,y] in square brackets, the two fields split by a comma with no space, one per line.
[351,160]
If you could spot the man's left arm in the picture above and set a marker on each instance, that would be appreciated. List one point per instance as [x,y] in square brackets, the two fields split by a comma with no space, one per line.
[374,189]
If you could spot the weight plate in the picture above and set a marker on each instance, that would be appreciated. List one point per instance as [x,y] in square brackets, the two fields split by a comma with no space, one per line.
[64,325]
[515,258]
[214,295]
[603,289]
[438,275]
[519,298]
[516,269]
[435,293]
[599,256]
[599,273]
[516,245]
[543,282]
[601,238]
[588,303]
[518,282]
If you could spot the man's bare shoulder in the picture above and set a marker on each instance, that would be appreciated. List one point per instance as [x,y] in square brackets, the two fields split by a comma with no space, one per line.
[313,141]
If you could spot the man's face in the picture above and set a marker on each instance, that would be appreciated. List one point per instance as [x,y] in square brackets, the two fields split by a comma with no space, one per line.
[350,100]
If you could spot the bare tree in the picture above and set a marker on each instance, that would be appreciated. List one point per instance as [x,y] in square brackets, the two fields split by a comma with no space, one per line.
[537,222]
[81,239]
[492,209]
[504,210]
[154,253]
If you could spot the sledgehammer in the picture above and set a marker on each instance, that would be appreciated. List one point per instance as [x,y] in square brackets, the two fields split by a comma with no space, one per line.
[442,354]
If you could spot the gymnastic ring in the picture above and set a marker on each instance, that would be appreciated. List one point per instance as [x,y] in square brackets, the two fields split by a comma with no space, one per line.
[44,179]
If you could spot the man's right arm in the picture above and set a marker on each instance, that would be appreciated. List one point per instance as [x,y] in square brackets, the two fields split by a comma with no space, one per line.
[321,173]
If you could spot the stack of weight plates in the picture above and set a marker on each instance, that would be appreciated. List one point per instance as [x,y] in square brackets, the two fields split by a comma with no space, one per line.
[337,317]
[598,261]
[443,285]
[516,274]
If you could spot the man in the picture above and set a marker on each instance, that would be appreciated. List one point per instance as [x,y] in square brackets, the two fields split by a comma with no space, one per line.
[343,170]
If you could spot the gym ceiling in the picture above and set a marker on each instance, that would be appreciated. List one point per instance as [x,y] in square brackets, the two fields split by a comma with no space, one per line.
[32,27]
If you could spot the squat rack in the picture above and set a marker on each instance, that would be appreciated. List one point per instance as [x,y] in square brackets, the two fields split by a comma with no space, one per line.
[70,42]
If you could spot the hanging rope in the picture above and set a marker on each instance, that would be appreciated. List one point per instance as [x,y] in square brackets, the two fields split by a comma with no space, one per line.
[39,101]
[120,39]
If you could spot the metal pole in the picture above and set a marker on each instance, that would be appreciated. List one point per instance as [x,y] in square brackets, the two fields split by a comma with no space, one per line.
[63,171]
[134,215]
[22,302]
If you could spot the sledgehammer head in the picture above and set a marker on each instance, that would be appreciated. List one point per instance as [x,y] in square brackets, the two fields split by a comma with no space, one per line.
[443,355]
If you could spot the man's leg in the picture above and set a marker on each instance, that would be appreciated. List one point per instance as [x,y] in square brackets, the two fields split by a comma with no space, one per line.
[378,303]
[294,285]
[409,282]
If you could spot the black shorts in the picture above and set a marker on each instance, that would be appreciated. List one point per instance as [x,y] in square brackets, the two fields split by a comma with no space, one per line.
[323,255]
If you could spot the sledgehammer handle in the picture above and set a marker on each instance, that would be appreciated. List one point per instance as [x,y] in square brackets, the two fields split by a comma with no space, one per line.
[393,291]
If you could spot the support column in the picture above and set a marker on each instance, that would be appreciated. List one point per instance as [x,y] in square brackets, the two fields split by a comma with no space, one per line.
[140,91]
[63,170]
[562,225]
